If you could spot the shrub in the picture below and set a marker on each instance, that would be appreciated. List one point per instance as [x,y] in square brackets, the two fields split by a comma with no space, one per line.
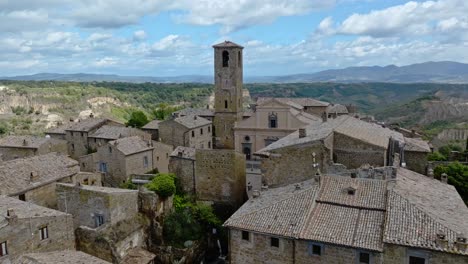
[457,176]
[137,119]
[181,226]
[163,185]
[436,156]
[129,185]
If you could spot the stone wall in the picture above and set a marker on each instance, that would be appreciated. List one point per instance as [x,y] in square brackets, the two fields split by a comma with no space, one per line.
[23,235]
[77,143]
[397,254]
[161,154]
[220,176]
[416,161]
[84,203]
[294,164]
[174,134]
[223,125]
[53,145]
[315,110]
[15,153]
[353,153]
[184,169]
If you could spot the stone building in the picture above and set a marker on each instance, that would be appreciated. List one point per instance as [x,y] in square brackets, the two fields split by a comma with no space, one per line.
[415,154]
[76,134]
[29,228]
[34,179]
[152,128]
[187,131]
[13,147]
[228,68]
[336,110]
[60,257]
[345,140]
[107,221]
[405,218]
[212,175]
[273,119]
[118,160]
[107,133]
[206,113]
[310,105]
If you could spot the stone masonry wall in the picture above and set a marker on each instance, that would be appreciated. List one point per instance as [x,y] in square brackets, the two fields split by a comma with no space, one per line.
[23,235]
[353,153]
[294,164]
[416,161]
[396,255]
[184,169]
[220,176]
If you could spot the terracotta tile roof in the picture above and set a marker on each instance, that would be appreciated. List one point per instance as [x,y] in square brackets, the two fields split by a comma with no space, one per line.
[192,121]
[368,193]
[60,257]
[227,44]
[282,212]
[305,102]
[132,145]
[345,226]
[27,141]
[15,175]
[86,125]
[25,209]
[152,125]
[115,132]
[417,145]
[186,152]
[345,125]
[337,109]
[410,211]
[194,111]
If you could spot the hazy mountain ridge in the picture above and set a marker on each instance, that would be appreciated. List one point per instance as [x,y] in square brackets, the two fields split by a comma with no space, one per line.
[427,72]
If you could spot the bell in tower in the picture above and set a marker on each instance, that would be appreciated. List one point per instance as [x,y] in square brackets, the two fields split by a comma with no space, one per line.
[228,92]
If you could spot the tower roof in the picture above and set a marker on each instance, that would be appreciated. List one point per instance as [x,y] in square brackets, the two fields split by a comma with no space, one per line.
[227,44]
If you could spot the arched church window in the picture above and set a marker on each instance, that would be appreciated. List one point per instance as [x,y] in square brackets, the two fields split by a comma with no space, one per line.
[273,120]
[225,58]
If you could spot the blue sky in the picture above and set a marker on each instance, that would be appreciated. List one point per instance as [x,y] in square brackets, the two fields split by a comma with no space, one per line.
[174,37]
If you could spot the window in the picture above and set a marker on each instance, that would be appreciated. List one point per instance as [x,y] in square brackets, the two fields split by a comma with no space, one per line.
[364,258]
[44,233]
[193,133]
[209,144]
[82,134]
[99,219]
[73,147]
[201,131]
[145,161]
[274,242]
[3,249]
[22,197]
[245,236]
[273,120]
[225,104]
[157,158]
[110,149]
[239,59]
[416,260]
[315,249]
[103,167]
[209,129]
[226,58]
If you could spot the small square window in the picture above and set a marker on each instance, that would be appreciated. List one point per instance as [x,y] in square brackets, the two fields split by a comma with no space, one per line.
[22,197]
[44,232]
[315,249]
[3,249]
[416,260]
[364,258]
[99,219]
[245,235]
[274,242]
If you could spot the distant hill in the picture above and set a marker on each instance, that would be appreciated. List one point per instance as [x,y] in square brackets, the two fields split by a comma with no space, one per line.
[428,72]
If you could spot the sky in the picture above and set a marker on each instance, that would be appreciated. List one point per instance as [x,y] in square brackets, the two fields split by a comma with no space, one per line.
[174,37]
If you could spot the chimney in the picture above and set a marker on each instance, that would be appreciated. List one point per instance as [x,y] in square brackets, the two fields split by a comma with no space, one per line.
[11,215]
[444,177]
[25,143]
[297,186]
[324,117]
[461,243]
[430,173]
[302,133]
[91,115]
[33,176]
[255,193]
[441,240]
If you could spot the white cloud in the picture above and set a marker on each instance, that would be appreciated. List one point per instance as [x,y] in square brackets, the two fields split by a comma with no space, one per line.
[139,35]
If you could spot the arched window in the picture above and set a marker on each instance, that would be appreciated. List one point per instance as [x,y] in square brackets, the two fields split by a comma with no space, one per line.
[239,59]
[273,120]
[225,58]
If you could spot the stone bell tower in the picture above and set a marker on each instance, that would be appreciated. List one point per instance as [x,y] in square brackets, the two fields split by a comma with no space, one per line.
[228,92]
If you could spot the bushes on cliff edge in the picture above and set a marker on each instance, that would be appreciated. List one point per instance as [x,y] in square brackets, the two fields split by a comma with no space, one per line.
[163,184]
